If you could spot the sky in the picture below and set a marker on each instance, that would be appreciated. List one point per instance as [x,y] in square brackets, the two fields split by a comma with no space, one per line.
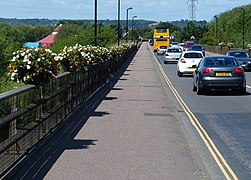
[161,10]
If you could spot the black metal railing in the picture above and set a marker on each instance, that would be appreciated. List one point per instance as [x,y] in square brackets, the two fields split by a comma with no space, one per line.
[29,113]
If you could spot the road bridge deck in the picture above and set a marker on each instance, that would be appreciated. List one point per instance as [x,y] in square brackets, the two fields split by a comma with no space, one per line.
[130,129]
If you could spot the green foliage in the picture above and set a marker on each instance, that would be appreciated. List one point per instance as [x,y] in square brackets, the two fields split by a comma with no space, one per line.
[73,33]
[229,27]
[6,85]
[147,32]
[12,38]
[106,36]
[30,33]
[8,43]
[32,22]
[193,30]
[169,25]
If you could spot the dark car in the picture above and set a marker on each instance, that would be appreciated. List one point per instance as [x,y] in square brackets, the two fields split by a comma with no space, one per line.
[218,73]
[188,45]
[150,42]
[242,57]
[198,47]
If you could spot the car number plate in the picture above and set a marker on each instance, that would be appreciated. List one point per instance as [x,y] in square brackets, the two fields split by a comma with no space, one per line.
[223,74]
[192,68]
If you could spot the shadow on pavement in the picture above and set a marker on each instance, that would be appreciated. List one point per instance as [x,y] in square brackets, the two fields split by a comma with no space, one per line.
[99,114]
[42,157]
[80,144]
[110,98]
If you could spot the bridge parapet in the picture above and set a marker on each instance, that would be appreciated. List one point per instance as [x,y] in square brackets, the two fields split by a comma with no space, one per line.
[31,112]
[221,50]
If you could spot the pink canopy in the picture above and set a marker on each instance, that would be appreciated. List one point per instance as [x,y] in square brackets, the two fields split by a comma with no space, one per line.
[48,40]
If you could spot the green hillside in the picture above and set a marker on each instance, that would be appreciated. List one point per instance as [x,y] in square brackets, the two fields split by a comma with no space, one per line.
[230,27]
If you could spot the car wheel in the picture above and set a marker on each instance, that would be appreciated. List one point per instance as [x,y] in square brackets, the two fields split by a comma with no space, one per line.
[243,91]
[199,90]
[179,74]
[194,87]
[165,62]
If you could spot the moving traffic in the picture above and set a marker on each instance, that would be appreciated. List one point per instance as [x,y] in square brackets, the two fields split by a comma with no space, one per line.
[223,113]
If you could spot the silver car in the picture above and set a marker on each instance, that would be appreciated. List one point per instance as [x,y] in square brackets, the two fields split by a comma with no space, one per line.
[242,57]
[161,50]
[172,55]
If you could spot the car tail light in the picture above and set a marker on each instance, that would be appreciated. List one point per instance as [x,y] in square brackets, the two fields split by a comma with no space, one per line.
[183,60]
[238,70]
[166,54]
[207,71]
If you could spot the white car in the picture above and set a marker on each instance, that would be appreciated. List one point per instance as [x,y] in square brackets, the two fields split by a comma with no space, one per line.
[161,50]
[174,44]
[172,54]
[188,62]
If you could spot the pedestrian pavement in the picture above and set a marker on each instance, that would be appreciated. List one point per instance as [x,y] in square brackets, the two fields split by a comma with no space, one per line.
[133,132]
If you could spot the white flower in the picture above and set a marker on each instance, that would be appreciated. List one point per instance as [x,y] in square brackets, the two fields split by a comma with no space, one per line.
[13,59]
[29,62]
[28,66]
[15,70]
[39,59]
[23,53]
[26,59]
[83,54]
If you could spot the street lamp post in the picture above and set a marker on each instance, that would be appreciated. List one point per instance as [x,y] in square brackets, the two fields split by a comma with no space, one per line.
[127,23]
[133,27]
[216,30]
[118,21]
[95,23]
[243,27]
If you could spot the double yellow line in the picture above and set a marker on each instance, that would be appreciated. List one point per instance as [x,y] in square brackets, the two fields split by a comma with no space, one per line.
[219,159]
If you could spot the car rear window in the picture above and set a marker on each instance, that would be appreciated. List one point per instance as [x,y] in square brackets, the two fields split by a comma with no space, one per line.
[221,62]
[188,44]
[238,54]
[196,47]
[192,55]
[174,50]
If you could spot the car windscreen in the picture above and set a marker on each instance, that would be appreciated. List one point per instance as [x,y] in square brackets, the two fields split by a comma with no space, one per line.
[192,55]
[238,54]
[214,62]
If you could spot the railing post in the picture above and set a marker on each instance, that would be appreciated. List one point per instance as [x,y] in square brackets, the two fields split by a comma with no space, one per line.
[13,124]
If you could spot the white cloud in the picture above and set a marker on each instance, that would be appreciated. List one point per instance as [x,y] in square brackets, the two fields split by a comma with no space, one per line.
[60,2]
